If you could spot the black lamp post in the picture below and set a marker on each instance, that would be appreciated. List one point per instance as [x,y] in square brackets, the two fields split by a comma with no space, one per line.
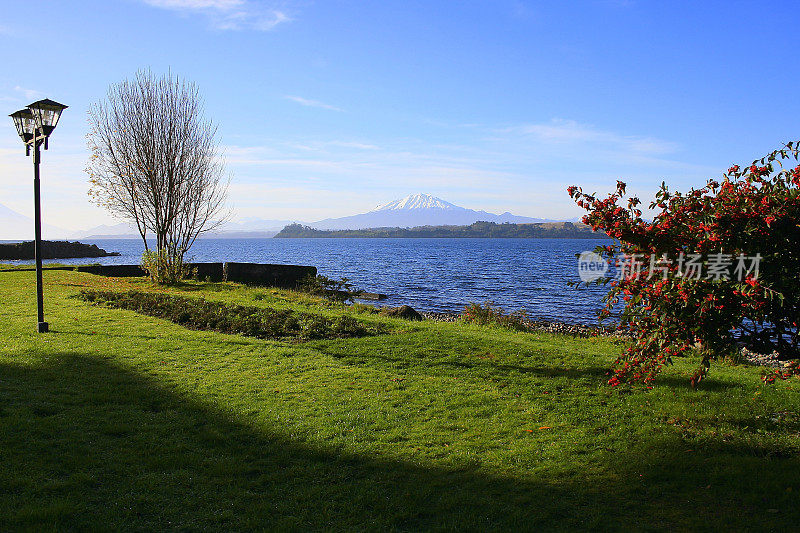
[34,125]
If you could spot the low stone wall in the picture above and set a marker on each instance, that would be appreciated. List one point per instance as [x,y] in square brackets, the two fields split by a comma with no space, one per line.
[208,271]
[116,271]
[284,276]
[44,267]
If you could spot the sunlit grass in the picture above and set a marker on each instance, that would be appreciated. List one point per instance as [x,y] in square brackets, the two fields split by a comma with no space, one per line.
[122,421]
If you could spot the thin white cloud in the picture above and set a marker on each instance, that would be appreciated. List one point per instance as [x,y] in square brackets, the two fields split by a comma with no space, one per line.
[525,167]
[29,94]
[232,15]
[288,162]
[317,146]
[563,131]
[351,144]
[287,201]
[269,22]
[312,103]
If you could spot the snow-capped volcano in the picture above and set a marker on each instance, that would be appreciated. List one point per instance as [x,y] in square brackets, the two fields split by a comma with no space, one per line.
[418,210]
[417,201]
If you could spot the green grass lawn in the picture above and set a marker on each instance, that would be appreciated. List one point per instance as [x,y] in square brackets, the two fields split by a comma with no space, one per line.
[121,421]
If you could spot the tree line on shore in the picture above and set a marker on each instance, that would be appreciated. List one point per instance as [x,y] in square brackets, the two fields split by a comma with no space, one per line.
[475,230]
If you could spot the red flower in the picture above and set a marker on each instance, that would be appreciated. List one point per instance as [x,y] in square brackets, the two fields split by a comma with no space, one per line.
[731,217]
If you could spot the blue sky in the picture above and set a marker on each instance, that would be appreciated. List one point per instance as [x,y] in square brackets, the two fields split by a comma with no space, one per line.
[327,108]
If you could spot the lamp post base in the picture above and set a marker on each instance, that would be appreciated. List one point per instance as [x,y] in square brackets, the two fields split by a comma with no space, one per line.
[43,327]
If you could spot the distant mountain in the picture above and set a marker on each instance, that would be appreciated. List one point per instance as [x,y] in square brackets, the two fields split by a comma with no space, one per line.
[411,211]
[419,210]
[417,201]
[123,230]
[15,226]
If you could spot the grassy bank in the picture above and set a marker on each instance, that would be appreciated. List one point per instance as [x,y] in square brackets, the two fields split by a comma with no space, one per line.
[117,420]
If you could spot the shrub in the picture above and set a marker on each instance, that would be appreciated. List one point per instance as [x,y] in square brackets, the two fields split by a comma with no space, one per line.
[347,326]
[319,285]
[753,210]
[163,269]
[490,315]
[266,323]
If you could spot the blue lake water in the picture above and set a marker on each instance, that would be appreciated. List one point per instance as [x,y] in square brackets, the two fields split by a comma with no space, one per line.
[440,275]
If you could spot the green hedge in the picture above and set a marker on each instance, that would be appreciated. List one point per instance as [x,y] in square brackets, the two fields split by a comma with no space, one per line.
[261,322]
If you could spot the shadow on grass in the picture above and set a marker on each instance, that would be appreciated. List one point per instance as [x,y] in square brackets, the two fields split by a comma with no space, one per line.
[229,338]
[419,357]
[86,444]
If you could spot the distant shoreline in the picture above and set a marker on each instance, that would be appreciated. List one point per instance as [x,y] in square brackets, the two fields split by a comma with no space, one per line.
[52,250]
[477,230]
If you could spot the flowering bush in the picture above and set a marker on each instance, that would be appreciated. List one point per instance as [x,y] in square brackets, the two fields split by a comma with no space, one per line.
[752,212]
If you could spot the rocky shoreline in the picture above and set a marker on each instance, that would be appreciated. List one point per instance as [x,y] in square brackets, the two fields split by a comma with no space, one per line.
[52,250]
[771,360]
[578,330]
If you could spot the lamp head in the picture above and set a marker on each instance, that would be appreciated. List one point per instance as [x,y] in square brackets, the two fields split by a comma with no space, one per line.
[46,114]
[25,123]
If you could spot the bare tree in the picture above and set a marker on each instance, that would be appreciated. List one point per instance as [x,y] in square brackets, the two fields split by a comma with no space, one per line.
[155,161]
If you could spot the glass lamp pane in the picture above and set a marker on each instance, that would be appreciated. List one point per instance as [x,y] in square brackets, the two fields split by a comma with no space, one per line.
[47,112]
[25,123]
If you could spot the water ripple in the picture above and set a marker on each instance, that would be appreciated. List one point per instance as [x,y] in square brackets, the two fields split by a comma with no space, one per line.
[440,275]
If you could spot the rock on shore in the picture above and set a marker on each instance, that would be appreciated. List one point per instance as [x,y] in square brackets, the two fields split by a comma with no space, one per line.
[52,250]
[579,330]
[762,359]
